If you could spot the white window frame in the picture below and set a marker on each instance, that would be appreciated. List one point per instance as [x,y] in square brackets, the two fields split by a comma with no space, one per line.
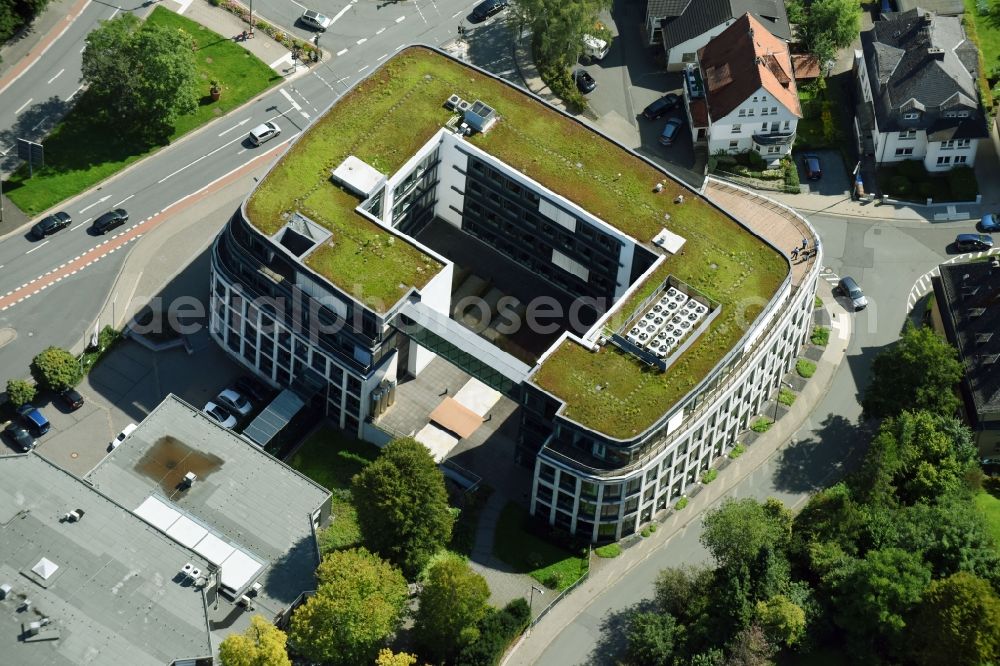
[743,113]
[903,151]
[737,129]
[912,115]
[944,160]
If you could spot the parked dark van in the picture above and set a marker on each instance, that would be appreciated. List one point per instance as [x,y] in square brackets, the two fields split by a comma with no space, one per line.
[488,8]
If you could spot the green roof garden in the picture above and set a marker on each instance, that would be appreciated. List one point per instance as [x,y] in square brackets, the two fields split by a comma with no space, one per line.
[385,120]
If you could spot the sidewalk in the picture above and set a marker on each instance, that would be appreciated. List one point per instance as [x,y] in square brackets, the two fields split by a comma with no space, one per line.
[603,578]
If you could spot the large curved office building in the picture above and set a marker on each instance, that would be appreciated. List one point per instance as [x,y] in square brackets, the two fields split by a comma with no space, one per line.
[634,325]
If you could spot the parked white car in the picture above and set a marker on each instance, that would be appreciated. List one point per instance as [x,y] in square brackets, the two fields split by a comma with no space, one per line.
[225,419]
[122,436]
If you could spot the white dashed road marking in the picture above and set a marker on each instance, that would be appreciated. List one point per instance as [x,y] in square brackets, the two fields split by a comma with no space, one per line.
[924,283]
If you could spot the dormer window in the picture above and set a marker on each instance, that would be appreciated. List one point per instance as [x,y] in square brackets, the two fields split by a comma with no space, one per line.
[956,114]
[912,115]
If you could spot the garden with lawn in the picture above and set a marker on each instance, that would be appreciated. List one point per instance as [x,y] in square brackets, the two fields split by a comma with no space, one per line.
[549,564]
[82,150]
[988,502]
[910,181]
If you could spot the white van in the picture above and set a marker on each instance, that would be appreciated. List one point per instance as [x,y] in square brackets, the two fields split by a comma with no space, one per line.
[594,48]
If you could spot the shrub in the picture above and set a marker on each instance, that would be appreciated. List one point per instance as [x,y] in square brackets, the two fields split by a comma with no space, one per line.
[786,397]
[558,78]
[709,475]
[817,302]
[820,336]
[754,160]
[215,3]
[652,527]
[609,551]
[962,181]
[681,503]
[737,451]
[20,391]
[791,175]
[56,369]
[497,630]
[805,368]
[763,424]
[645,532]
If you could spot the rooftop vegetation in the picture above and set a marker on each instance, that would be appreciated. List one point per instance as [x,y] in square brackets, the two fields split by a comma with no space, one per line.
[386,119]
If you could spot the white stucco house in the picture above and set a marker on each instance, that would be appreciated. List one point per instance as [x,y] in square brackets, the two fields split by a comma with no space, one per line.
[685,26]
[916,75]
[741,95]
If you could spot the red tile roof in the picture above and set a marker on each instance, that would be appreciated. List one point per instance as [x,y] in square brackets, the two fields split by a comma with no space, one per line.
[742,59]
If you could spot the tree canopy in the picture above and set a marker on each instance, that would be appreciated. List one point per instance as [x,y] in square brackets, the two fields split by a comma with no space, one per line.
[558,27]
[919,372]
[56,369]
[262,644]
[402,505]
[738,530]
[359,602]
[452,602]
[143,75]
[20,391]
[958,623]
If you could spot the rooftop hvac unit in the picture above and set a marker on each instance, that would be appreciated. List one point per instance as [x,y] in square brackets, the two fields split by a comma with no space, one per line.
[463,106]
[452,102]
[190,478]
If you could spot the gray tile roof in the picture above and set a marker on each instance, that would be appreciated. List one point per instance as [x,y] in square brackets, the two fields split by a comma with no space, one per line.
[243,494]
[701,16]
[902,64]
[940,7]
[114,598]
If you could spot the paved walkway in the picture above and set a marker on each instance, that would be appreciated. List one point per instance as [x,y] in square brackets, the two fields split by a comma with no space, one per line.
[602,578]
[505,585]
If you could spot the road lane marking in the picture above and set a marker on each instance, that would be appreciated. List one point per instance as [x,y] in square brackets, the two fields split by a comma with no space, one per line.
[285,58]
[362,69]
[341,12]
[39,123]
[295,105]
[379,31]
[225,145]
[80,225]
[122,201]
[99,201]
[21,108]
[400,47]
[57,75]
[455,15]
[382,57]
[36,247]
[236,126]
[341,52]
[400,19]
[362,41]
[74,93]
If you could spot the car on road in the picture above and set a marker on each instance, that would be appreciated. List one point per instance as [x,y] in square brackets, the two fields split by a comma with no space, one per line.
[19,437]
[849,288]
[990,222]
[72,398]
[110,220]
[122,436]
[488,8]
[50,224]
[264,132]
[969,242]
[585,83]
[670,131]
[253,388]
[813,167]
[225,419]
[315,20]
[661,106]
[33,418]
[234,402]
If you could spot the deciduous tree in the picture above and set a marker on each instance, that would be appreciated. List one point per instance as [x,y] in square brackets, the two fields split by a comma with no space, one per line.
[402,505]
[387,657]
[875,594]
[20,391]
[55,369]
[144,75]
[920,371]
[650,638]
[736,532]
[452,602]
[262,644]
[782,620]
[359,602]
[957,623]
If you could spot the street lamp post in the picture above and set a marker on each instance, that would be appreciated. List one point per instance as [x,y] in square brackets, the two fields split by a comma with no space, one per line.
[780,386]
[531,598]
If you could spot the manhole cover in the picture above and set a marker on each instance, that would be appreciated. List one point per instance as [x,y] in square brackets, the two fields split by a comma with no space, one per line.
[74,455]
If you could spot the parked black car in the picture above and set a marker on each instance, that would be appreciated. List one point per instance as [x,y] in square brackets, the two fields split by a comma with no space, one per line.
[585,83]
[969,242]
[813,167]
[488,8]
[50,225]
[110,220]
[253,388]
[72,398]
[661,106]
[19,437]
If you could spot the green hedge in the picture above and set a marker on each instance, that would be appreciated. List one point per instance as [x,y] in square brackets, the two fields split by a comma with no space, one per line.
[497,630]
[805,368]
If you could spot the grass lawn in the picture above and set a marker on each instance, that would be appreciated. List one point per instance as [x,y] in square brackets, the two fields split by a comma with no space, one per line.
[547,563]
[988,502]
[330,458]
[81,152]
[987,34]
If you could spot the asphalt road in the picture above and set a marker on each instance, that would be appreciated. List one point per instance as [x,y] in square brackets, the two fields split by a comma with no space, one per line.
[62,313]
[886,259]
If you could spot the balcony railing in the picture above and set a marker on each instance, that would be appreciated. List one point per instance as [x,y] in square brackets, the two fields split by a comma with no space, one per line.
[774,138]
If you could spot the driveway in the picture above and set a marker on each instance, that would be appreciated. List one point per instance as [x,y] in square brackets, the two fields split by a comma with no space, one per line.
[835,180]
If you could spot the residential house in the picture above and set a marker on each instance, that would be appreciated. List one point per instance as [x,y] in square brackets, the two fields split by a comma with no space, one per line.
[916,75]
[741,96]
[684,26]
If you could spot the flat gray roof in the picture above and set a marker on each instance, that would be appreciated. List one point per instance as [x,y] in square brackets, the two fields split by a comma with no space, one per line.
[114,596]
[242,494]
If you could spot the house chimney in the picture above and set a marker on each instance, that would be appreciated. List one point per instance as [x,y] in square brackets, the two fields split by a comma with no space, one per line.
[935,53]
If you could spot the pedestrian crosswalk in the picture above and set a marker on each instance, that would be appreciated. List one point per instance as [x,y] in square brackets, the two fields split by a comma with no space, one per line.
[924,283]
